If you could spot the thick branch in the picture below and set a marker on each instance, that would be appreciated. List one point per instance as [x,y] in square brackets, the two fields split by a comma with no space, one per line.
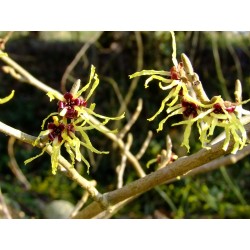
[223,161]
[178,168]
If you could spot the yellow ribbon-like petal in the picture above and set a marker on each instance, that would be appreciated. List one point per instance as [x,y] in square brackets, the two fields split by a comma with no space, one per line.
[7,98]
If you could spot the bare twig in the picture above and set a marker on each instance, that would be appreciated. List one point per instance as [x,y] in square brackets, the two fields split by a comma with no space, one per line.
[215,164]
[82,201]
[78,56]
[165,157]
[236,60]
[14,166]
[112,211]
[121,168]
[134,82]
[9,70]
[144,145]
[115,86]
[218,66]
[28,77]
[135,163]
[194,44]
[132,120]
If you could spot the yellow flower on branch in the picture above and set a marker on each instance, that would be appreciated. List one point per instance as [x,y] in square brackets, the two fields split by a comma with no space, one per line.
[222,114]
[61,133]
[176,83]
[187,97]
[71,123]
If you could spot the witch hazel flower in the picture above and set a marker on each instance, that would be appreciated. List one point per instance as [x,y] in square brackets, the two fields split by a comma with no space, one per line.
[73,106]
[186,97]
[64,134]
[68,106]
[219,113]
[56,133]
[71,123]
[176,82]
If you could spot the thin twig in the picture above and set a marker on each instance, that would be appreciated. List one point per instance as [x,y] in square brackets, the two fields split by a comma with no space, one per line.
[144,146]
[132,120]
[236,60]
[82,201]
[117,91]
[77,58]
[238,91]
[114,209]
[135,163]
[122,166]
[218,66]
[14,166]
[194,44]
[166,156]
[28,77]
[9,70]
[139,67]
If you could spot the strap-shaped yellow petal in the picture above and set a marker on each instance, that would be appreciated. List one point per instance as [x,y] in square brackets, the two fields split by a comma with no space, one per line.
[7,98]
[33,158]
[150,72]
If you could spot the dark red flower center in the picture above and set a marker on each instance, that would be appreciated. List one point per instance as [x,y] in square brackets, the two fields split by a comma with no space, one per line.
[175,72]
[219,110]
[189,108]
[69,103]
[56,131]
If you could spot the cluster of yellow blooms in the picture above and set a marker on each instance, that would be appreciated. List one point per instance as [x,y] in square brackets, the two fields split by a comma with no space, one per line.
[186,97]
[73,119]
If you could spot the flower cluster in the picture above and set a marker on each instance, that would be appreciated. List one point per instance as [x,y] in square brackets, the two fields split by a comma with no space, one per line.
[71,122]
[186,97]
